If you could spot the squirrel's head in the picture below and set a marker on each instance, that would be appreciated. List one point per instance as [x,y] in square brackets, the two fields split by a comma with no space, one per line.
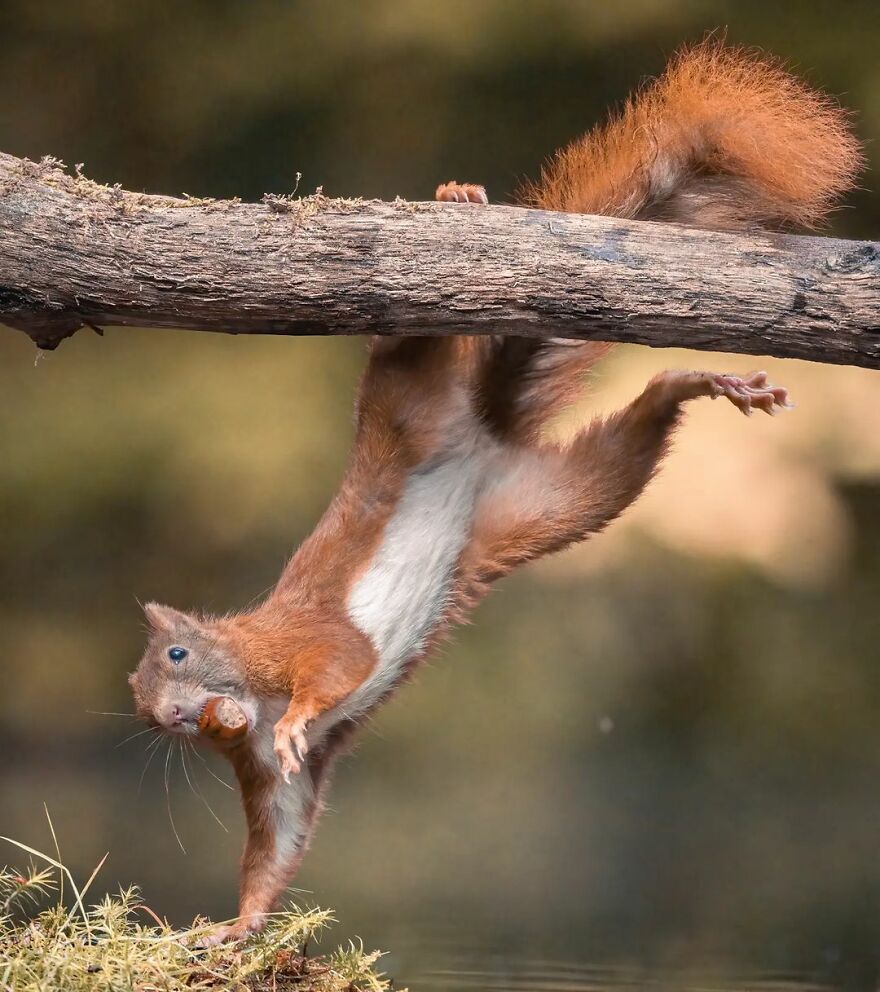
[187,662]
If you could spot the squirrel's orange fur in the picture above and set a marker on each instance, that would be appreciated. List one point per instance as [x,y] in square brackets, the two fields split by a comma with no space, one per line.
[725,138]
[451,483]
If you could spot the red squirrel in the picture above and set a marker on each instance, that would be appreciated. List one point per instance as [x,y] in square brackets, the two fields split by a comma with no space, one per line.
[451,481]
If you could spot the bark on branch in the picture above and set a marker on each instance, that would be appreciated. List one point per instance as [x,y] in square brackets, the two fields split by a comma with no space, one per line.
[74,253]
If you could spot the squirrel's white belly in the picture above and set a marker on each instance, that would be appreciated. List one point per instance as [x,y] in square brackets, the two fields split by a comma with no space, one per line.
[403,594]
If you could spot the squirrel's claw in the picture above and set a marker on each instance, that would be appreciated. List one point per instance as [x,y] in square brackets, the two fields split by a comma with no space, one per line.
[238,930]
[746,393]
[290,733]
[453,192]
[751,392]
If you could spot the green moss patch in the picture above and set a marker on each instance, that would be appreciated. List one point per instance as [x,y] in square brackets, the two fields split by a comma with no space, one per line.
[49,942]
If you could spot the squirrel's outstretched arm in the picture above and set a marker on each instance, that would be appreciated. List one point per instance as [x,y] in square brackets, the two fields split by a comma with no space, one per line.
[280,820]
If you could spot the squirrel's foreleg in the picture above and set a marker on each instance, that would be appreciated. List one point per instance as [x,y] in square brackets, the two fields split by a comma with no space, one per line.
[322,677]
[280,821]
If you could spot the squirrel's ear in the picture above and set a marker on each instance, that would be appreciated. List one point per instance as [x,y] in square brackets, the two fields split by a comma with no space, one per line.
[164,619]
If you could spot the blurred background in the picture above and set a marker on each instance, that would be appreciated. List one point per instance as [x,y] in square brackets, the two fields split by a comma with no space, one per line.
[656,754]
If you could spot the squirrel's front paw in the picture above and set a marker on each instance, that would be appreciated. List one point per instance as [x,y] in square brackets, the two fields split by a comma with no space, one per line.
[290,733]
[453,192]
[243,927]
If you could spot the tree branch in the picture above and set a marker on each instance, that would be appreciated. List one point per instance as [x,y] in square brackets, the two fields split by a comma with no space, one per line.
[74,253]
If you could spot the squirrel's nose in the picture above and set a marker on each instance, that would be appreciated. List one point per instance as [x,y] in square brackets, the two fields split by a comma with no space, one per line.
[173,716]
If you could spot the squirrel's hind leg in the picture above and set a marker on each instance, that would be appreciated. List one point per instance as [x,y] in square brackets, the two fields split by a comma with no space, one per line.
[542,499]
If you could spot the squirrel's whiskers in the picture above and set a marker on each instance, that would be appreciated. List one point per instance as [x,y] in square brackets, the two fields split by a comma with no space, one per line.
[452,482]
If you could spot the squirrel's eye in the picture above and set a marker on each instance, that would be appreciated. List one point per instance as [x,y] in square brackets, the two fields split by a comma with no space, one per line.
[177,654]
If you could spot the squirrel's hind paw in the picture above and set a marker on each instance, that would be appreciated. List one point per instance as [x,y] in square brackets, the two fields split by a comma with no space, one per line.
[453,192]
[746,393]
[752,392]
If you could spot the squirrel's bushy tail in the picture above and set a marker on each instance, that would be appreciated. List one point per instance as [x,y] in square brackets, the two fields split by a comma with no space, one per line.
[726,138]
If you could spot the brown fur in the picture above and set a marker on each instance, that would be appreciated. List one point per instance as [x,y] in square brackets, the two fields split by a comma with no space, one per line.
[723,139]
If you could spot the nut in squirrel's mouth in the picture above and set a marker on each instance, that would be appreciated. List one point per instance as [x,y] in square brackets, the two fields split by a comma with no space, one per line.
[223,719]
